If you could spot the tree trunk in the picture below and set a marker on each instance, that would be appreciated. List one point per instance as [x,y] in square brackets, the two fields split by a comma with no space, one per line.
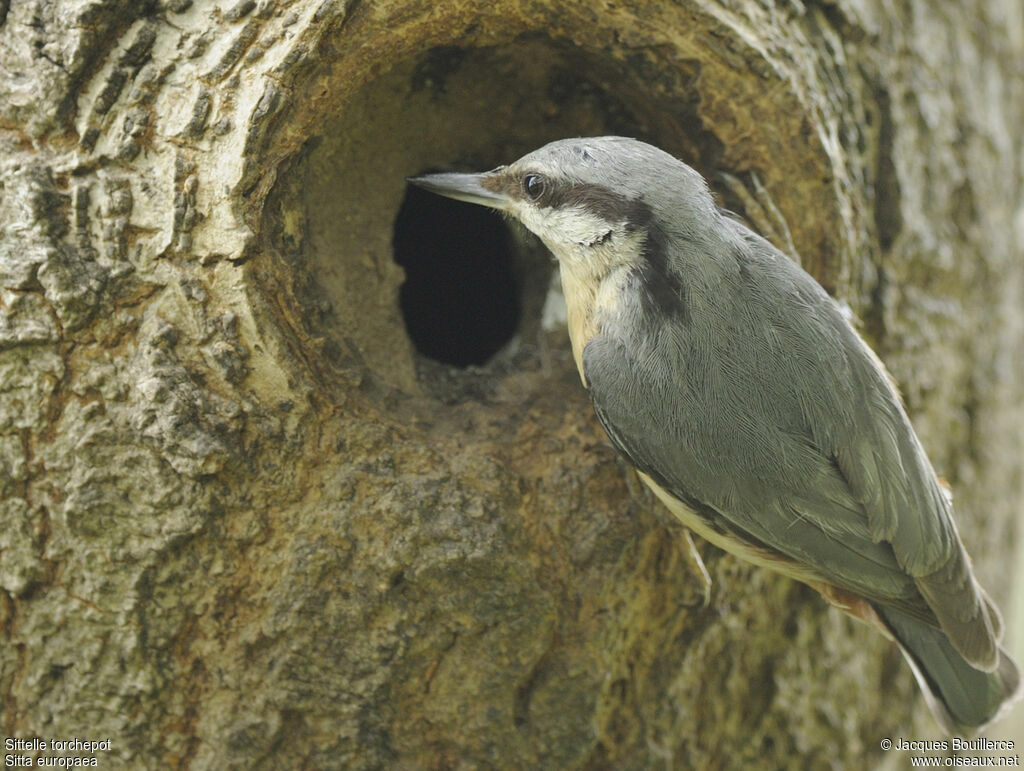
[254,517]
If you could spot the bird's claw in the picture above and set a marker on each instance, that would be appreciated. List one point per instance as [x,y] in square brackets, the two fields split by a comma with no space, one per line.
[698,561]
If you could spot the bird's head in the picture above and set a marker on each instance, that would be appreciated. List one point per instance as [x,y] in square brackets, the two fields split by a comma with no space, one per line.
[594,202]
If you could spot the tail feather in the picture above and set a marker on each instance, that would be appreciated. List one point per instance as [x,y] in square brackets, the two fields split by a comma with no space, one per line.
[962,698]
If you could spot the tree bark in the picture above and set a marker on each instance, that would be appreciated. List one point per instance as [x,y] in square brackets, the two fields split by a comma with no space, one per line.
[245,524]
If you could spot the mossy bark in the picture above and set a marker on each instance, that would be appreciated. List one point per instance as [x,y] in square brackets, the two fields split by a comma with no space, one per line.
[245,525]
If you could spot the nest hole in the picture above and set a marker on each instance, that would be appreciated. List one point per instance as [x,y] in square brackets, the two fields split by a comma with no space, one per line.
[414,291]
[461,300]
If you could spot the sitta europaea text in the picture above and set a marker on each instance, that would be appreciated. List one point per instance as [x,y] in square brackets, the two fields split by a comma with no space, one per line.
[744,398]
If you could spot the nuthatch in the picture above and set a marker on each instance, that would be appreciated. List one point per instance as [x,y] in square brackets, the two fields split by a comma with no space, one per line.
[751,407]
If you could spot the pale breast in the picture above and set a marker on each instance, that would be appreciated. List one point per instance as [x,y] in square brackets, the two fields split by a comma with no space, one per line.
[588,300]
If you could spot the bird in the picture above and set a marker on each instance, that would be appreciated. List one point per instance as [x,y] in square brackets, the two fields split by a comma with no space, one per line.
[747,401]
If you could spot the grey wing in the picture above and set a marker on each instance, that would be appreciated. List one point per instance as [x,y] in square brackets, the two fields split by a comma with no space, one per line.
[776,422]
[889,473]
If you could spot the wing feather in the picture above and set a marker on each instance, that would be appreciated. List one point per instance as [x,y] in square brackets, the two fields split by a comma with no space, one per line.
[767,414]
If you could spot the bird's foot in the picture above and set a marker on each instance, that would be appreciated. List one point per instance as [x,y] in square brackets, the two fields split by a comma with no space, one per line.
[698,562]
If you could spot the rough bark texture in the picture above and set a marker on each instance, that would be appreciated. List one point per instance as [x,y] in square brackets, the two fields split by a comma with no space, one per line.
[245,525]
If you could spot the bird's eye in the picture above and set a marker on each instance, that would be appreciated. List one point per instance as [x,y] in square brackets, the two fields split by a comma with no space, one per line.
[534,186]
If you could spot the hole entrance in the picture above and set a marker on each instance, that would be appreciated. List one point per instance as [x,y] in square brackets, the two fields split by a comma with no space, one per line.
[461,299]
[394,280]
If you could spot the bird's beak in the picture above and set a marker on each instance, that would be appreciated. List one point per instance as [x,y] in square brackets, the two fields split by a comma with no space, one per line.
[462,187]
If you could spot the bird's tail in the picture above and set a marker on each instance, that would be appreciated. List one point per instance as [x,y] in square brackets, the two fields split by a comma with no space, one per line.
[962,698]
